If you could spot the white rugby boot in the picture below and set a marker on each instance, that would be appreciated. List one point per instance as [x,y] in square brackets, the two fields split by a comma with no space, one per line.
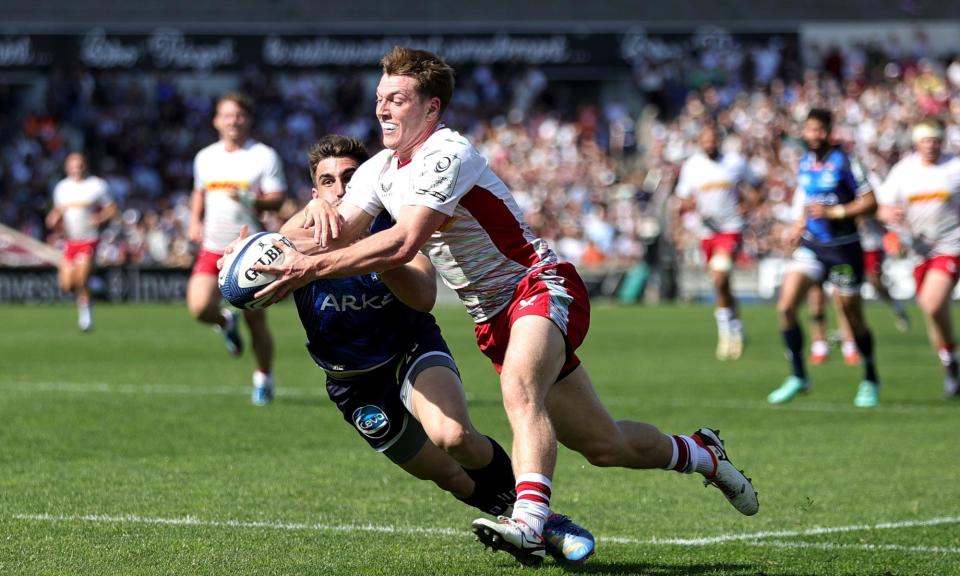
[732,482]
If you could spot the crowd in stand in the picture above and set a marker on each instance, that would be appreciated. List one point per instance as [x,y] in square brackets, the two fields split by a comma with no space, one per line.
[594,179]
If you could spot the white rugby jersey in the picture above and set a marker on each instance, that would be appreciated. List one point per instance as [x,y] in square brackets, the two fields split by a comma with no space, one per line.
[78,201]
[713,184]
[484,248]
[252,170]
[931,197]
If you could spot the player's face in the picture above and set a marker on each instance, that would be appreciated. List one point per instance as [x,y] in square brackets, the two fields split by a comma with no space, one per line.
[815,134]
[75,166]
[331,177]
[406,118]
[709,142]
[231,122]
[929,149]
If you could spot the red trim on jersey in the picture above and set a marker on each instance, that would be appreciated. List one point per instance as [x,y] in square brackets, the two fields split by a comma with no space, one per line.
[501,225]
[402,163]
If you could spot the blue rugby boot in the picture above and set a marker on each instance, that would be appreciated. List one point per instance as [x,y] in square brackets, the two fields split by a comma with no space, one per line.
[566,541]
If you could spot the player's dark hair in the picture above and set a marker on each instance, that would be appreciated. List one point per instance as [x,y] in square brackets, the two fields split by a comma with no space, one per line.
[434,76]
[241,100]
[335,146]
[821,115]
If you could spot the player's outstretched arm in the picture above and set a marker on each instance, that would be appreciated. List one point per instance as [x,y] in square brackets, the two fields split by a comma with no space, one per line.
[323,226]
[381,251]
[414,283]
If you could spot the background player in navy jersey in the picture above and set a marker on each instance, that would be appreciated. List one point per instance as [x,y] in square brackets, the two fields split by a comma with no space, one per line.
[393,377]
[831,193]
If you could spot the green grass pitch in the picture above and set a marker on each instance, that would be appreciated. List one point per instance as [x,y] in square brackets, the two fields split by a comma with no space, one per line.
[135,450]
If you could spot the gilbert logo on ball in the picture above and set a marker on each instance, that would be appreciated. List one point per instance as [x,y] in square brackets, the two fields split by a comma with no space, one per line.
[238,282]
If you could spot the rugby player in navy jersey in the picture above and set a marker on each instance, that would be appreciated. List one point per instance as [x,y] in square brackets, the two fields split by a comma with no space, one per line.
[831,192]
[391,374]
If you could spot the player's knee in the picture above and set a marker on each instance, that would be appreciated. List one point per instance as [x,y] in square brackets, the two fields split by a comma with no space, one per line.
[720,264]
[786,311]
[452,438]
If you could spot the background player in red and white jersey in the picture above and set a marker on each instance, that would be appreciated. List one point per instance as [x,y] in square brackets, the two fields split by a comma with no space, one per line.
[82,203]
[531,311]
[235,179]
[710,183]
[921,196]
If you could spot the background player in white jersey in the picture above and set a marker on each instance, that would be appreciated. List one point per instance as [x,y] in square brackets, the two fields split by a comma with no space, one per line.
[531,312]
[82,203]
[710,183]
[235,179]
[921,196]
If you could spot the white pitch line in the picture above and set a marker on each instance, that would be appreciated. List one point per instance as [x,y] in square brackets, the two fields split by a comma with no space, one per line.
[182,390]
[810,531]
[869,547]
[192,521]
[145,389]
[754,538]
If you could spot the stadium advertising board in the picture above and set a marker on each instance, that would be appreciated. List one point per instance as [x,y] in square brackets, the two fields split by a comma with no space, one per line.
[38,285]
[173,49]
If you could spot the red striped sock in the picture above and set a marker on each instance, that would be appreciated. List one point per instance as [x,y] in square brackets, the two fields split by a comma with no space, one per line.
[533,500]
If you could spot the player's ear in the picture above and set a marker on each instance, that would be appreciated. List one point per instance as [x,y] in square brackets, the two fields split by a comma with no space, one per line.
[314,194]
[434,106]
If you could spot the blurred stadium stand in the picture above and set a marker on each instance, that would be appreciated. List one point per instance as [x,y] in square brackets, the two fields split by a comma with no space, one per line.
[585,109]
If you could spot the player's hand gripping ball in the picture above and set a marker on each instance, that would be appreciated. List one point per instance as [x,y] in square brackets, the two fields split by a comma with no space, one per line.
[238,283]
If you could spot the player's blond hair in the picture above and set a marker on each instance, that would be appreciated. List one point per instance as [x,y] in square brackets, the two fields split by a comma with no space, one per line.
[434,76]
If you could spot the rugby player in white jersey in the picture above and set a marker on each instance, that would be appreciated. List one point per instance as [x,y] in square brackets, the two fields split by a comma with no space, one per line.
[82,203]
[710,183]
[235,179]
[921,197]
[530,310]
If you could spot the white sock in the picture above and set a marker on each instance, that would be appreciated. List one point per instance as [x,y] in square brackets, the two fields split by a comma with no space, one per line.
[84,316]
[262,379]
[849,348]
[533,500]
[736,326]
[819,348]
[723,316]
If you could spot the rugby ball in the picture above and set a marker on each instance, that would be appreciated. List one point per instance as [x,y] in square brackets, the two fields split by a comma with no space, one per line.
[238,283]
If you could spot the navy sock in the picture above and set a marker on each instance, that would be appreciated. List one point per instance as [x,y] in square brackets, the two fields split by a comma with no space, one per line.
[793,340]
[495,487]
[864,342]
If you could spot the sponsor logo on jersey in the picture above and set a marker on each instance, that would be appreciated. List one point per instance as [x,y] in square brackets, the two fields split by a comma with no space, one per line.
[442,164]
[442,181]
[528,302]
[348,302]
[371,421]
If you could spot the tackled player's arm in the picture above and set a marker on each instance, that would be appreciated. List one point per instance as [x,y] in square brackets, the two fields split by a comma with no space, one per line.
[414,283]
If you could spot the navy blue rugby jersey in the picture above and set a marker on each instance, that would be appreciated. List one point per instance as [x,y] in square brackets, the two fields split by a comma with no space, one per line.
[356,323]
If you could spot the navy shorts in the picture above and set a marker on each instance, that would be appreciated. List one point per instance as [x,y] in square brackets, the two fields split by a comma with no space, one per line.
[376,402]
[840,265]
